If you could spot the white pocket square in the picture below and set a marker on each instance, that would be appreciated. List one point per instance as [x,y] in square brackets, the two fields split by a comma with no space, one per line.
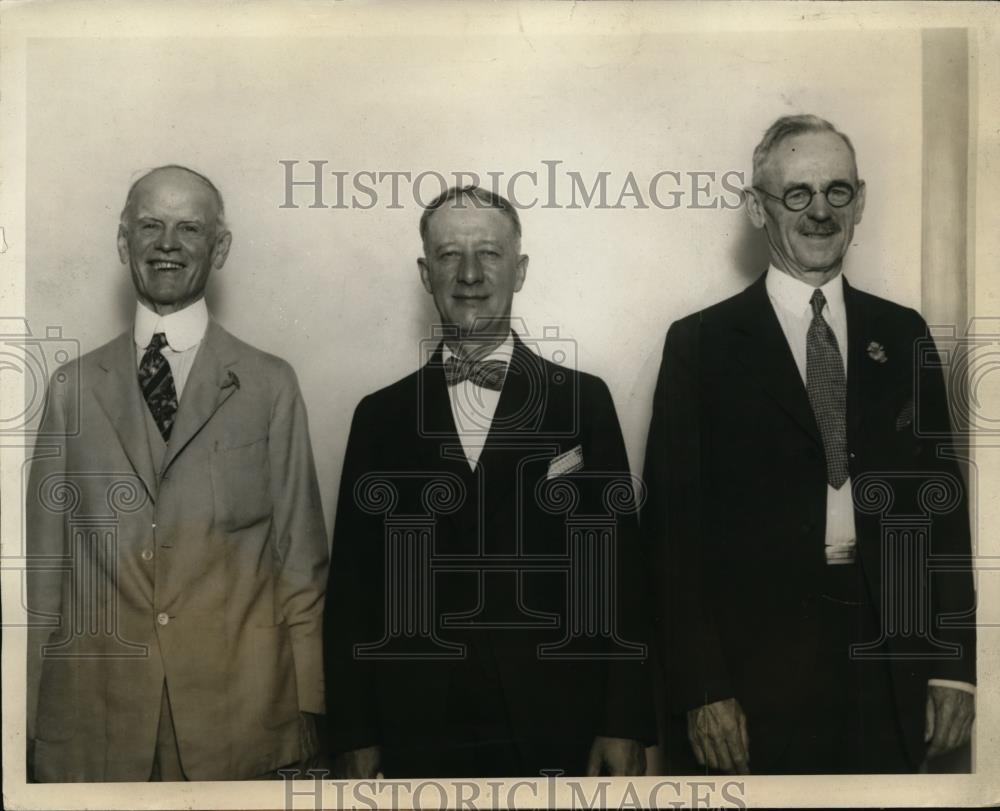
[565,463]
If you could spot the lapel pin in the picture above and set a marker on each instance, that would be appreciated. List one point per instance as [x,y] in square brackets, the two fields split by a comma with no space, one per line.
[877,352]
[231,380]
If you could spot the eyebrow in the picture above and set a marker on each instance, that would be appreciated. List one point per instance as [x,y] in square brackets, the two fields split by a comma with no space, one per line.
[803,185]
[186,220]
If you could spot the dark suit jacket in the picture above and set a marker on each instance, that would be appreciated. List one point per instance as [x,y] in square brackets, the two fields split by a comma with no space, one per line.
[206,571]
[405,434]
[736,512]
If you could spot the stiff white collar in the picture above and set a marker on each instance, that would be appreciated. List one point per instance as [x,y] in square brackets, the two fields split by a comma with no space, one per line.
[793,295]
[184,329]
[503,352]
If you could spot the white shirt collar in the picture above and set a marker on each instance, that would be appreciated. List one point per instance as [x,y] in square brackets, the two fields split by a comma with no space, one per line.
[503,352]
[793,295]
[184,329]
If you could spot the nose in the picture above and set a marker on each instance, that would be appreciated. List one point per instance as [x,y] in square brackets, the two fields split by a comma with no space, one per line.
[469,271]
[167,240]
[819,208]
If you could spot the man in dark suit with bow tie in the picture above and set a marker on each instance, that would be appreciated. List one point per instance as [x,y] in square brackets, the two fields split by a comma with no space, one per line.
[800,492]
[177,550]
[483,617]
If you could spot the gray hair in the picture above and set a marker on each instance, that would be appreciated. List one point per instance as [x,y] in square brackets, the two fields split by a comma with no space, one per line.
[480,198]
[220,222]
[786,127]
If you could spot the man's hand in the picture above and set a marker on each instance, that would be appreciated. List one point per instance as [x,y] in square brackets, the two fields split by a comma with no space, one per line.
[358,764]
[616,757]
[949,719]
[718,735]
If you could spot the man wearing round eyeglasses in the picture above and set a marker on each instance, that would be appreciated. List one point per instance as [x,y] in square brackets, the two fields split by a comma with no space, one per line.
[792,447]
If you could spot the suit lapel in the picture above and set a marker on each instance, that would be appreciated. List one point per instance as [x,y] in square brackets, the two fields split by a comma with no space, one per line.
[857,368]
[439,445]
[210,383]
[762,346]
[121,399]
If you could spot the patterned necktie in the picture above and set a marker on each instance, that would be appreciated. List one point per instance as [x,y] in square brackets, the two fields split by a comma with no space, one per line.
[157,383]
[488,374]
[826,385]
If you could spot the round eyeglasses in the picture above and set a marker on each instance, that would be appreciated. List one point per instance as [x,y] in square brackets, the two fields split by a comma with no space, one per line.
[799,198]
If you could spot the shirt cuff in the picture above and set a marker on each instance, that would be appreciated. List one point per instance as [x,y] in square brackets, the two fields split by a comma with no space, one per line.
[957,685]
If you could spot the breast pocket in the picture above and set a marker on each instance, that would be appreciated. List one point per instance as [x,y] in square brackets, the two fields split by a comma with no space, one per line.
[241,480]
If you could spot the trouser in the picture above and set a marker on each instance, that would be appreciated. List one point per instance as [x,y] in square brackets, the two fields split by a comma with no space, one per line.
[845,719]
[167,759]
[476,737]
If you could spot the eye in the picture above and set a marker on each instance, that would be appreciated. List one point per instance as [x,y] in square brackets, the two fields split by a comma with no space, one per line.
[190,228]
[798,198]
[147,226]
[839,194]
[492,254]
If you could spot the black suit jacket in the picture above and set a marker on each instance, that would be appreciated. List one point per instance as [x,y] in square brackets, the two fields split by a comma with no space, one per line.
[736,512]
[405,471]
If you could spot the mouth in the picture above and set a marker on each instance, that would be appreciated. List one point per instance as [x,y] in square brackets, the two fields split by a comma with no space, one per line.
[818,234]
[165,265]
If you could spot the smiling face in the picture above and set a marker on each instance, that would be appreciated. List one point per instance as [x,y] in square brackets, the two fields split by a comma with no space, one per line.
[472,267]
[809,244]
[170,238]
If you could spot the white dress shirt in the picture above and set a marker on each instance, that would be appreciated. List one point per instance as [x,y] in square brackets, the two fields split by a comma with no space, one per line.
[184,330]
[791,301]
[473,407]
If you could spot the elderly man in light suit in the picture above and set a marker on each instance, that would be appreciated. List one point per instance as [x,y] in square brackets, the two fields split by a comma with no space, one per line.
[186,643]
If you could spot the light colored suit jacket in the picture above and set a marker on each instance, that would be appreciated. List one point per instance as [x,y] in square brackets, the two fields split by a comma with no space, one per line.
[205,571]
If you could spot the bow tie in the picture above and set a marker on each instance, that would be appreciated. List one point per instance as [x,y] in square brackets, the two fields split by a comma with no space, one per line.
[488,374]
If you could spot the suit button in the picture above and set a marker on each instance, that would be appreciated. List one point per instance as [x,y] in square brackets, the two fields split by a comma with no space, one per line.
[162,618]
[147,554]
[853,455]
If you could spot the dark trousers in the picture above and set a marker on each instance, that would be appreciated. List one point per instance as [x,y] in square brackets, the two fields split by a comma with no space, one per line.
[845,719]
[476,737]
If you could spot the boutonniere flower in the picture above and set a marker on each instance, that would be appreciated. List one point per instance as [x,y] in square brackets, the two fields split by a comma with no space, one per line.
[231,380]
[877,352]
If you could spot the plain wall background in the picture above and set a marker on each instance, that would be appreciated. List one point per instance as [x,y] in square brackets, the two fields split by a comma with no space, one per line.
[336,292]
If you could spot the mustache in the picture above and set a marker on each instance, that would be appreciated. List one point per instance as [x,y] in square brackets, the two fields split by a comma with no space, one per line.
[820,229]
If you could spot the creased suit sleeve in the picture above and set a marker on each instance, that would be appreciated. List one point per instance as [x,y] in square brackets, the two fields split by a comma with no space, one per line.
[952,592]
[628,711]
[672,527]
[45,533]
[300,536]
[355,579]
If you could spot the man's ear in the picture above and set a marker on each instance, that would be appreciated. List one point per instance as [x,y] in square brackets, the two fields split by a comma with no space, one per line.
[122,245]
[521,272]
[221,250]
[425,274]
[755,208]
[859,206]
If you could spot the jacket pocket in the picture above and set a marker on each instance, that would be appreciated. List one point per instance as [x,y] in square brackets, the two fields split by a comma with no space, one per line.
[241,484]
[274,671]
[56,720]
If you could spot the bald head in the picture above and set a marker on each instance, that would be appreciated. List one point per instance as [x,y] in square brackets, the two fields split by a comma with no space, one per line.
[180,177]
